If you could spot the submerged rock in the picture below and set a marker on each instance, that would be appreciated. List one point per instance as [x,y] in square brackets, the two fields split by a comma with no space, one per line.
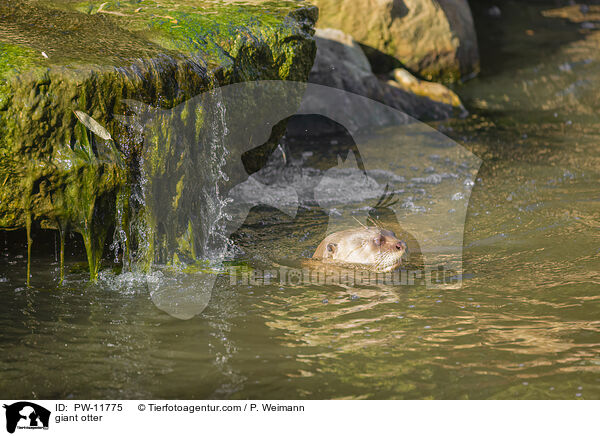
[434,38]
[68,70]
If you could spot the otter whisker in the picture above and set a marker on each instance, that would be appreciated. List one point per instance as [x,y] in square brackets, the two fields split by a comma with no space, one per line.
[375,222]
[361,224]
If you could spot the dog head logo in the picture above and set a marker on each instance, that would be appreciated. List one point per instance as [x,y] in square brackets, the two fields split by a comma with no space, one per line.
[26,415]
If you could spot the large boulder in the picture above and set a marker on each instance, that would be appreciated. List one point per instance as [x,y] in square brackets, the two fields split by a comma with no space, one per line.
[340,63]
[69,70]
[434,38]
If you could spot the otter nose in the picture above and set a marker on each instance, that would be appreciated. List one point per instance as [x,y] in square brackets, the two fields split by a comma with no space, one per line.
[400,245]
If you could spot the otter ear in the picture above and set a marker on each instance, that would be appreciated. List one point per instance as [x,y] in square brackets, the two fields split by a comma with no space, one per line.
[331,248]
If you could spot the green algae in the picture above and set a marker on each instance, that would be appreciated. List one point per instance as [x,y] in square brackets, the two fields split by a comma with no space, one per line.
[54,60]
[13,59]
[221,35]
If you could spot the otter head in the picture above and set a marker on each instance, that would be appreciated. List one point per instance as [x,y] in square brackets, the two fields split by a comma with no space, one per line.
[372,247]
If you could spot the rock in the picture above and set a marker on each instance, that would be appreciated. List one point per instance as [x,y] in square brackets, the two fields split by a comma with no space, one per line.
[340,63]
[62,58]
[335,44]
[434,38]
[583,14]
[402,79]
[494,11]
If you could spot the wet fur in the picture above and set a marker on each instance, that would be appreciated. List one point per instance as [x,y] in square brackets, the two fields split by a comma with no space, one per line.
[357,246]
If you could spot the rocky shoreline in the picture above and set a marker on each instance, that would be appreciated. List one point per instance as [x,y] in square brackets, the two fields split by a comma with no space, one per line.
[62,63]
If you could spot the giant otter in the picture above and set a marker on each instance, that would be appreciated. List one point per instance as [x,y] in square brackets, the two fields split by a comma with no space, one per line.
[370,247]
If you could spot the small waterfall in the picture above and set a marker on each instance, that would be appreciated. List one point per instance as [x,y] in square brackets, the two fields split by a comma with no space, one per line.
[170,221]
[172,212]
[215,241]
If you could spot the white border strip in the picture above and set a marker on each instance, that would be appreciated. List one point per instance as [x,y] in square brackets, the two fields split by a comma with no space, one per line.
[314,417]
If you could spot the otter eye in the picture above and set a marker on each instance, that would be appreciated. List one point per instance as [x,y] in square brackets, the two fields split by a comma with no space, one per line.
[378,240]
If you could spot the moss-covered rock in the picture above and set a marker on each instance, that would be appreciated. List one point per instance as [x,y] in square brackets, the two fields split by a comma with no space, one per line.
[58,57]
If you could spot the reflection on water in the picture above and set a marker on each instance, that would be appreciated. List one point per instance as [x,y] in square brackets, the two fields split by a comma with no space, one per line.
[524,324]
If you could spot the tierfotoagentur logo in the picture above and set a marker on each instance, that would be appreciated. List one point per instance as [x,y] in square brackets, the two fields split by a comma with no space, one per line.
[25,415]
[349,277]
[382,168]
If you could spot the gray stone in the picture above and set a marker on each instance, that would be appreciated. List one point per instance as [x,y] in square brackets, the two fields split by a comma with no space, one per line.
[340,63]
[434,38]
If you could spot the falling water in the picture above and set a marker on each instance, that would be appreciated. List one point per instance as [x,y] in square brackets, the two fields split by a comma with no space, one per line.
[215,240]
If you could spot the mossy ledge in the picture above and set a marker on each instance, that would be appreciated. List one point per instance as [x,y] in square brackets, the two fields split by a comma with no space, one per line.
[60,57]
